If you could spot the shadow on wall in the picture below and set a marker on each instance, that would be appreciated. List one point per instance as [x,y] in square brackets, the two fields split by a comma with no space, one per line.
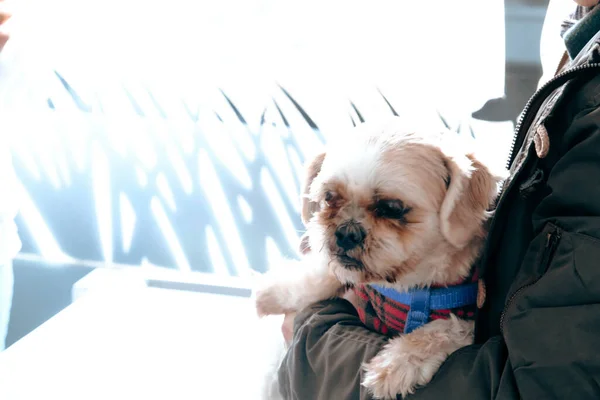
[208,193]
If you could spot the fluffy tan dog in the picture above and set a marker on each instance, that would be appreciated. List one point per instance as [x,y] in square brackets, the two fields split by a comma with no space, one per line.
[396,209]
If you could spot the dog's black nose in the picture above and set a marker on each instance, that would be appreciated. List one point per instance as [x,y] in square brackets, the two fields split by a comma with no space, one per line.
[349,236]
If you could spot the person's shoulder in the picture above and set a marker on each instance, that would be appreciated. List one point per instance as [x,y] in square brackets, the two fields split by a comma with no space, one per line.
[585,94]
[575,116]
[580,97]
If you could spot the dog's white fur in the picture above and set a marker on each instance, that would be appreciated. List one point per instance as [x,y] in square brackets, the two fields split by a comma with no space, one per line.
[447,193]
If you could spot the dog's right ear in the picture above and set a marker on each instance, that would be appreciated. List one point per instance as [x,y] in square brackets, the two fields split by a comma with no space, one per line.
[309,207]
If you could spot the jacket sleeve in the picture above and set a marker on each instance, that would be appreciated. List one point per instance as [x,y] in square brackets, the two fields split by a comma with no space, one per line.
[549,345]
[330,345]
[325,357]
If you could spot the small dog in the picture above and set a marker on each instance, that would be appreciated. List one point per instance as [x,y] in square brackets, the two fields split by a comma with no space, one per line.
[392,215]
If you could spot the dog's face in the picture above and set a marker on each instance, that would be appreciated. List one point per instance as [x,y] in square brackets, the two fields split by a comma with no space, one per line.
[379,205]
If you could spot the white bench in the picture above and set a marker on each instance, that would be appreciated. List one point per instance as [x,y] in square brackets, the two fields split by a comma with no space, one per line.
[140,342]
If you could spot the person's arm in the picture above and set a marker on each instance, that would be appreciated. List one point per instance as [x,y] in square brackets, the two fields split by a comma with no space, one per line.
[549,348]
[330,345]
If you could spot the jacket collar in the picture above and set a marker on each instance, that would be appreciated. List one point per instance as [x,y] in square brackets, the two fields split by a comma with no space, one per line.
[580,29]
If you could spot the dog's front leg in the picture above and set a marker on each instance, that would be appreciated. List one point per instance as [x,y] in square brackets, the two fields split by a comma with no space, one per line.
[295,286]
[411,360]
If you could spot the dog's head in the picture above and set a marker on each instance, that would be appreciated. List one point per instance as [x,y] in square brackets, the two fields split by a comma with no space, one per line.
[391,206]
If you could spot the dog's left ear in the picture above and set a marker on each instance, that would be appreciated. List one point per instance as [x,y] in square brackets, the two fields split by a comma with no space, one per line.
[309,207]
[472,189]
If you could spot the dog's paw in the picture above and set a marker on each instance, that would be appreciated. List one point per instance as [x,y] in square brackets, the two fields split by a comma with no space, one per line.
[396,371]
[269,301]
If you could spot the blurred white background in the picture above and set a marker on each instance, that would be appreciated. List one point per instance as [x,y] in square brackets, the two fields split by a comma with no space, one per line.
[447,53]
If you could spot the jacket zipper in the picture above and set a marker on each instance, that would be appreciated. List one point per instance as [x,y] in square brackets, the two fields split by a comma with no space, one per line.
[551,243]
[525,119]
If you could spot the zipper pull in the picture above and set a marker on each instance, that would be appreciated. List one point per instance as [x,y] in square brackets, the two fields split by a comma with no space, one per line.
[552,238]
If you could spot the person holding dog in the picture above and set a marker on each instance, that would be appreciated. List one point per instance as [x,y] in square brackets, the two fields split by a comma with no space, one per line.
[538,325]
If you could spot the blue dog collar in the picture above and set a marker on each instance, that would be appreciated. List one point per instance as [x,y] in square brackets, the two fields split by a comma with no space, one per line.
[421,301]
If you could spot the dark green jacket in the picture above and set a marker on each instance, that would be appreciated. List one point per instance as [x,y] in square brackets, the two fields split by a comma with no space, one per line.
[538,334]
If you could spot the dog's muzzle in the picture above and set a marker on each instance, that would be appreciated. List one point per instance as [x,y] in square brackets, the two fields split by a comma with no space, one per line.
[350,235]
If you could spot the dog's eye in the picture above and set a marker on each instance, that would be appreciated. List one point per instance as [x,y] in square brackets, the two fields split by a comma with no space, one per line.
[393,209]
[330,198]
